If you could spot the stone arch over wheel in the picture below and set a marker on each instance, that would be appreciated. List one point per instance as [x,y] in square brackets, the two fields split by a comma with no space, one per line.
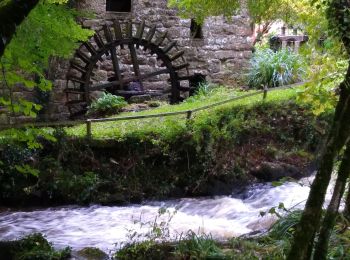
[124,47]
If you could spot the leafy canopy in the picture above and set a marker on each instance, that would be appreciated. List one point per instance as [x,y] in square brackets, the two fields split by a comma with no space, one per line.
[49,31]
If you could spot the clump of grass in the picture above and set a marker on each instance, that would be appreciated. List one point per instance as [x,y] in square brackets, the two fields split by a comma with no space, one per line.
[194,246]
[273,69]
[284,228]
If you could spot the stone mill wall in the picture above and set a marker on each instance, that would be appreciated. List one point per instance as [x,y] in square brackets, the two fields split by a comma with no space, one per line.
[222,53]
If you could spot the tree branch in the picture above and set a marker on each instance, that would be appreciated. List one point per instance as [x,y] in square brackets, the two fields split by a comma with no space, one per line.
[12,13]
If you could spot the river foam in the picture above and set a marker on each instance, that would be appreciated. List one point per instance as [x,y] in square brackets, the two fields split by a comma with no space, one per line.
[103,226]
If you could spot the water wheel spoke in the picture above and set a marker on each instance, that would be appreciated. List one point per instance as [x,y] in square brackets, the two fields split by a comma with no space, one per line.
[118,32]
[140,30]
[76,79]
[74,91]
[116,66]
[90,48]
[151,33]
[127,80]
[153,74]
[78,67]
[99,41]
[161,38]
[177,55]
[182,66]
[75,102]
[134,60]
[129,30]
[83,56]
[169,46]
[113,52]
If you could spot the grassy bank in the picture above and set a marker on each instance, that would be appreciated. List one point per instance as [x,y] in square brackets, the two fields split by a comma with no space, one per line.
[212,154]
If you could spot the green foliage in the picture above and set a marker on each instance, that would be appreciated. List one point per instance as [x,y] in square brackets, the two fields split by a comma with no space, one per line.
[273,69]
[270,10]
[62,185]
[169,128]
[284,228]
[194,246]
[201,9]
[259,10]
[326,70]
[107,104]
[29,136]
[92,253]
[148,248]
[160,157]
[50,30]
[339,245]
[32,247]
[15,171]
[338,15]
[204,91]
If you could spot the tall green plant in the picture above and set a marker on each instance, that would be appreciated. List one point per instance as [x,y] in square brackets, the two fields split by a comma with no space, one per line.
[273,69]
[107,104]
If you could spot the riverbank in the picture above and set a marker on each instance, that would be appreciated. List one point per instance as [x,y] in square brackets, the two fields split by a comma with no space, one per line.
[217,152]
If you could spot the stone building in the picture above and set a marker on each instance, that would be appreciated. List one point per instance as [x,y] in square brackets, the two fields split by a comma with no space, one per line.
[220,49]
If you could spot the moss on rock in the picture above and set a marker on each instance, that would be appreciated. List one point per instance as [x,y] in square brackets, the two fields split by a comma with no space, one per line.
[31,247]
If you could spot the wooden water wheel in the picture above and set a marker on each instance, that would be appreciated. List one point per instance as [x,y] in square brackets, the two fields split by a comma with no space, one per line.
[126,48]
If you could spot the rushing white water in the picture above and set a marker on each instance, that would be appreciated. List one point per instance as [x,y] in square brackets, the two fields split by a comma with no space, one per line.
[103,227]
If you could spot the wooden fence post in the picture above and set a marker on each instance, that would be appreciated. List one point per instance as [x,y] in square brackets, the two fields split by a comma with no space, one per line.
[189,114]
[265,92]
[88,129]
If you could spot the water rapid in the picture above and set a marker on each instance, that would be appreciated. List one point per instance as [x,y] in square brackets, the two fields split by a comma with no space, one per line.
[104,227]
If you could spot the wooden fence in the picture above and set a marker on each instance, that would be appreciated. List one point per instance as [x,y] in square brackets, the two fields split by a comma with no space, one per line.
[188,113]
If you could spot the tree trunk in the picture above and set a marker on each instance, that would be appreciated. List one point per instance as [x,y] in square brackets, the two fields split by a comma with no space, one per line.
[347,204]
[332,210]
[11,15]
[311,217]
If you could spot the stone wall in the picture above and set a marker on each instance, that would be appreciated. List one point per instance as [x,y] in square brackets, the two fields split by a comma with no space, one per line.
[222,54]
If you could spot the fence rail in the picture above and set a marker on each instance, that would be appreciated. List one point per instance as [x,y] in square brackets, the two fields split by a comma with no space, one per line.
[188,113]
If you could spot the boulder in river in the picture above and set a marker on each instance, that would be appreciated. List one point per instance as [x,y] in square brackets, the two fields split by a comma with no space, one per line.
[268,171]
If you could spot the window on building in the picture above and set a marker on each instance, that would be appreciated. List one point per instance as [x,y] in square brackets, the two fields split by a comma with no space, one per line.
[123,6]
[196,30]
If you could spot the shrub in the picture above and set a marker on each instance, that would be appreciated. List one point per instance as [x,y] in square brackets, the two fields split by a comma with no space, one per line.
[107,104]
[204,91]
[32,247]
[195,246]
[285,226]
[273,69]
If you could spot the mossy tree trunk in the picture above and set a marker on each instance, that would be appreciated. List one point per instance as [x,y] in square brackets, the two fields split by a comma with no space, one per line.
[332,210]
[347,204]
[311,217]
[302,245]
[12,13]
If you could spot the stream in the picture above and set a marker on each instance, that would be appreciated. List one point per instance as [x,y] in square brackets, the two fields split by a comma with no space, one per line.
[107,227]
